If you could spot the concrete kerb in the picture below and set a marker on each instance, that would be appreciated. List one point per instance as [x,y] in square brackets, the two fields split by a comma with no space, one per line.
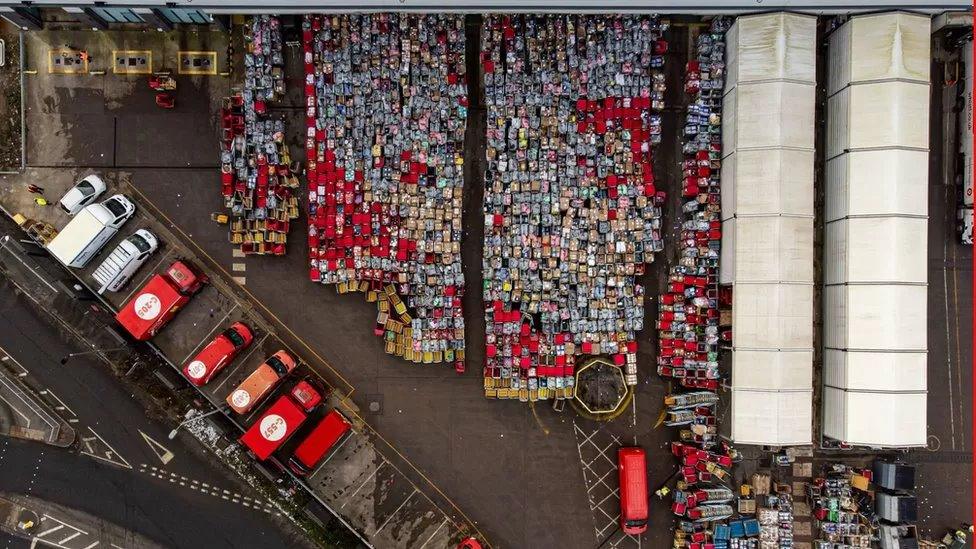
[62,435]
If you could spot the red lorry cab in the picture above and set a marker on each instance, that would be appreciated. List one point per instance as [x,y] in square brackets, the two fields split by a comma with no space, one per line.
[273,428]
[631,465]
[326,435]
[157,302]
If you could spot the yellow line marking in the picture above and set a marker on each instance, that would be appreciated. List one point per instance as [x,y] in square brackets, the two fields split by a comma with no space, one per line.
[209,71]
[537,419]
[132,70]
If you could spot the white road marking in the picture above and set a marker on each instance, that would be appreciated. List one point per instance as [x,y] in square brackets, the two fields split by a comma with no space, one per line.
[8,357]
[69,538]
[49,530]
[945,293]
[238,267]
[65,406]
[30,405]
[389,518]
[149,274]
[161,451]
[237,253]
[92,545]
[371,475]
[240,280]
[441,525]
[110,454]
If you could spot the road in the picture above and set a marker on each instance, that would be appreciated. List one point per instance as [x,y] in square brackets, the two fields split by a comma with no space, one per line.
[124,470]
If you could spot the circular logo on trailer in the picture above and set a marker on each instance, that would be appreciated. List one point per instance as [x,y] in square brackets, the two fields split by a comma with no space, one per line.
[273,428]
[147,306]
[196,369]
[240,398]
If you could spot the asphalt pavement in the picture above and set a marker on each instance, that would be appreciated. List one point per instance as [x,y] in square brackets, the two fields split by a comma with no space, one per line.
[123,469]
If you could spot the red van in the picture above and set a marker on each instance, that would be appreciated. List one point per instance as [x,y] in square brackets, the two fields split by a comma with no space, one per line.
[320,442]
[632,468]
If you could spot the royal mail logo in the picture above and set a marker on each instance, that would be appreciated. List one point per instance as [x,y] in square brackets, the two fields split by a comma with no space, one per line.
[147,306]
[273,428]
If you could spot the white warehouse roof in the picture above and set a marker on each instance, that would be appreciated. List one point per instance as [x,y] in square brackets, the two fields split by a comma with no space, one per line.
[876,182]
[876,419]
[875,370]
[775,418]
[767,228]
[876,249]
[875,241]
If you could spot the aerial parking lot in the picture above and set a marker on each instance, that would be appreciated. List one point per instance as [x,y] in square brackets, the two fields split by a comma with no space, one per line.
[428,224]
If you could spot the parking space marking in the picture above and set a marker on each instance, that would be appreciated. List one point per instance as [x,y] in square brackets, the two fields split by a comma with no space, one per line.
[206,338]
[363,483]
[240,363]
[389,518]
[149,273]
[439,526]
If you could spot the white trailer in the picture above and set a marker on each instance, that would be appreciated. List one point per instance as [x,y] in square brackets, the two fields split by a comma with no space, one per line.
[78,242]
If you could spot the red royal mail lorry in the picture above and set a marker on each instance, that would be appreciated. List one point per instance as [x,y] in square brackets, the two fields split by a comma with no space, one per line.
[272,429]
[319,443]
[157,302]
[632,468]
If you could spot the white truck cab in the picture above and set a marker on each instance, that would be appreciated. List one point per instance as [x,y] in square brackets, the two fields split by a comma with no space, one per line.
[78,242]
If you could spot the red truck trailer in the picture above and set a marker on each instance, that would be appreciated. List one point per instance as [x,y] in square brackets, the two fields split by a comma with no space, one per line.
[157,302]
[272,429]
[319,443]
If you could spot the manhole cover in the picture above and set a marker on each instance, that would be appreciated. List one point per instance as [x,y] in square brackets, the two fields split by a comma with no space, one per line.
[375,404]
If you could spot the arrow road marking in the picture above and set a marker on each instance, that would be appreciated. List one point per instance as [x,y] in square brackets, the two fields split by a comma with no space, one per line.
[161,451]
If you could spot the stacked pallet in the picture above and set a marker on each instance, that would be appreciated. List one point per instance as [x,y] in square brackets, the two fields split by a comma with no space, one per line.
[386,105]
[572,213]
[256,180]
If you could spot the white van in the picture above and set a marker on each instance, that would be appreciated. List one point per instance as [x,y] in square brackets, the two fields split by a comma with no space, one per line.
[89,230]
[124,261]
